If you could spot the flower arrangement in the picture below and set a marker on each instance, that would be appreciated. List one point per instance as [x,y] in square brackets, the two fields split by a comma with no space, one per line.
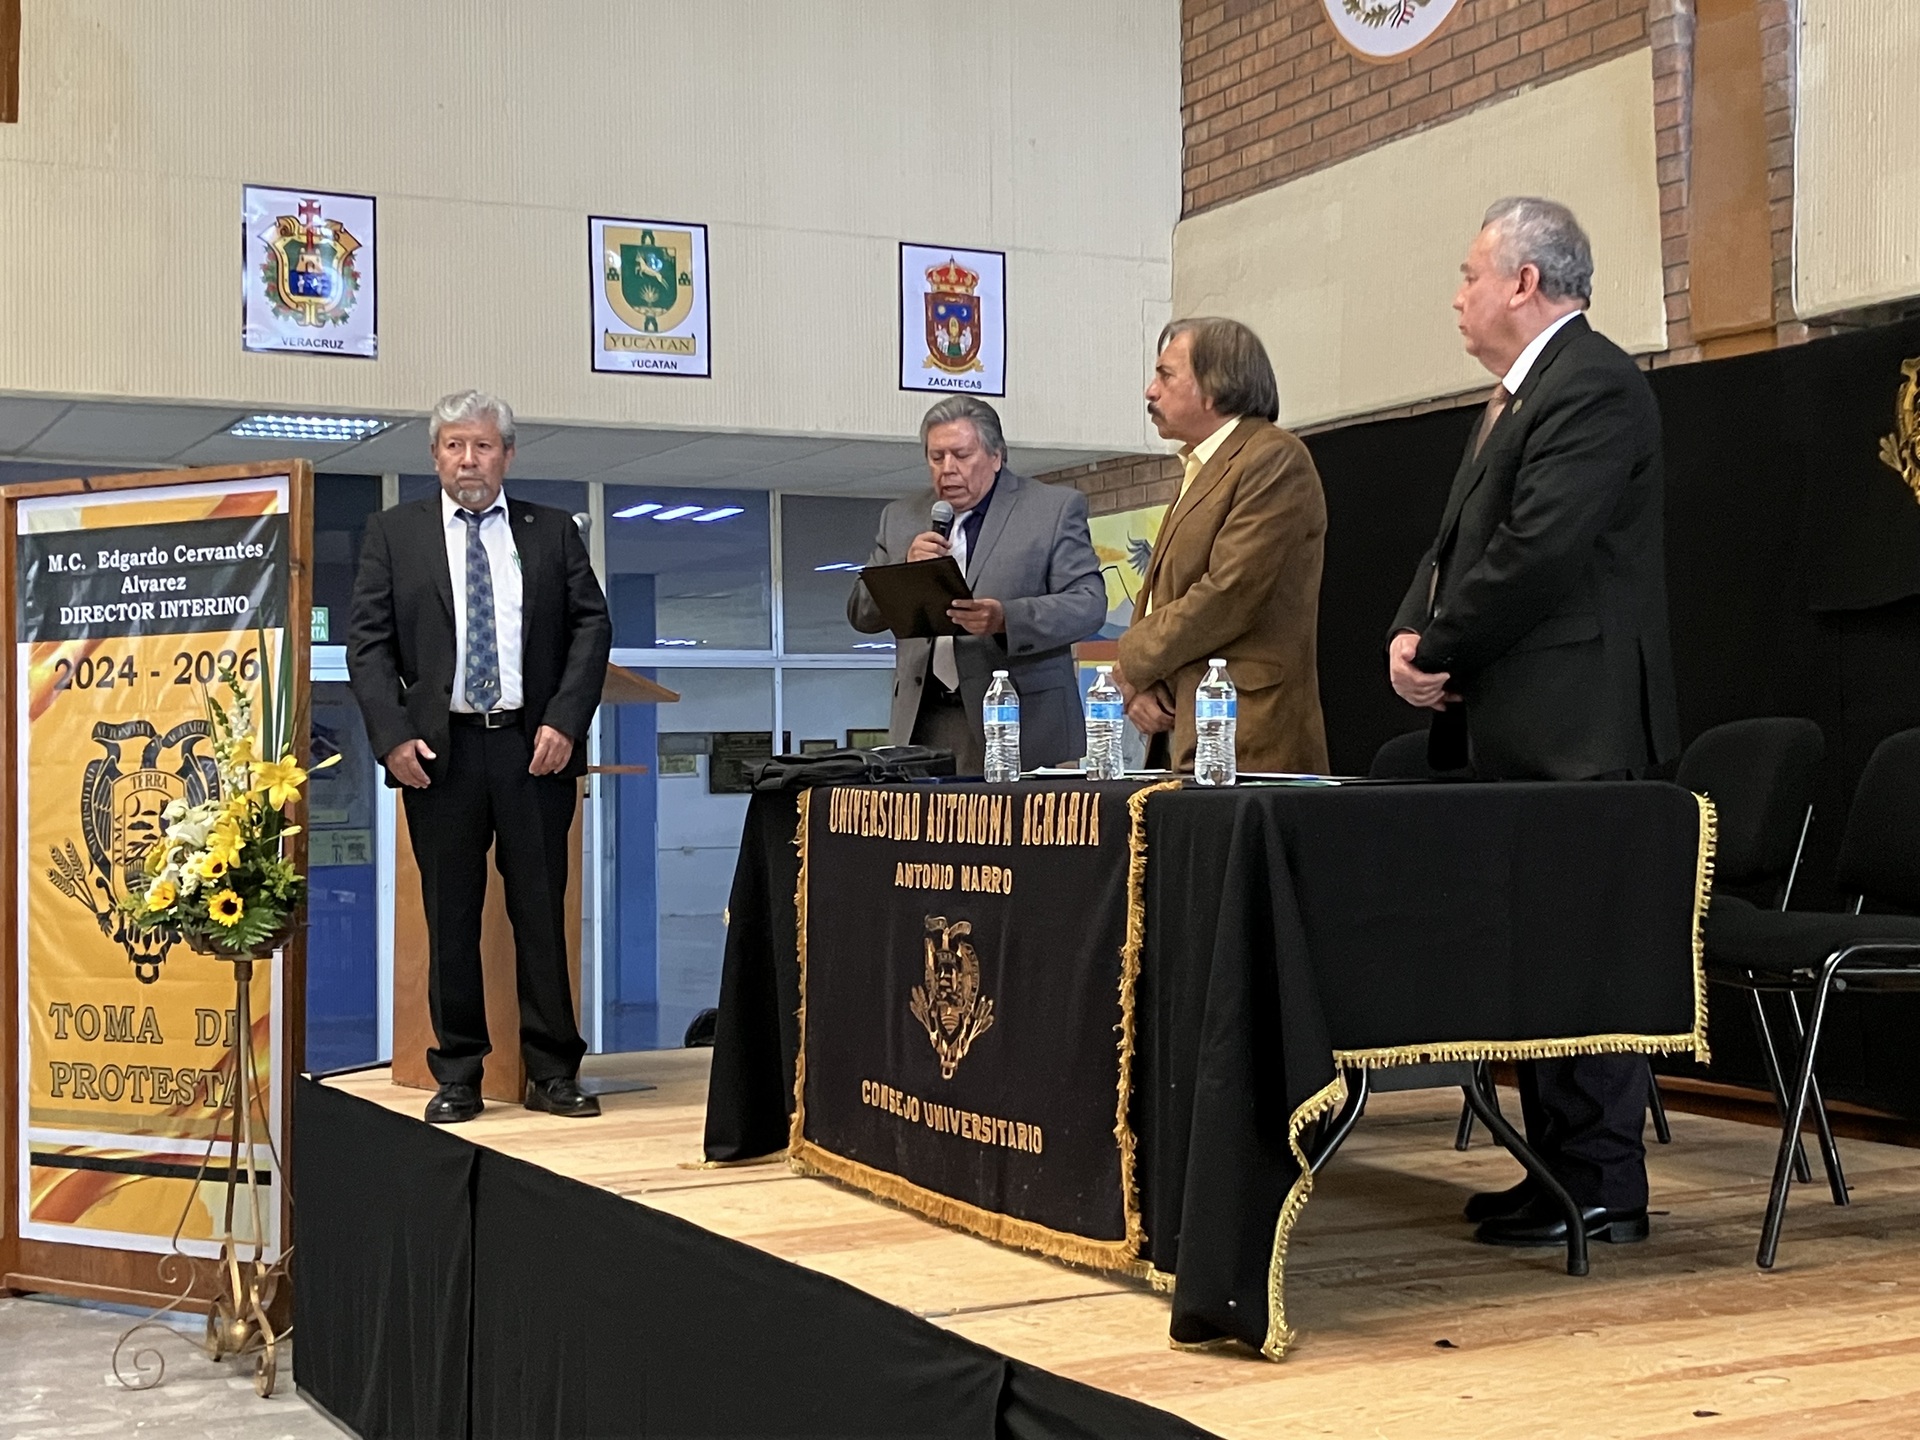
[220,876]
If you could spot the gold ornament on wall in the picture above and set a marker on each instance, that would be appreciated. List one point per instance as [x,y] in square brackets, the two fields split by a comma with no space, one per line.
[1900,451]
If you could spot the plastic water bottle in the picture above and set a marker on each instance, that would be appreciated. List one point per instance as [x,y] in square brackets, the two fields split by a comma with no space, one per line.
[1215,705]
[1106,727]
[1001,717]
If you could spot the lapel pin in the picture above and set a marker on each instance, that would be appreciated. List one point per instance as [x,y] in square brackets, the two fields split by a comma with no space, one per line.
[1517,404]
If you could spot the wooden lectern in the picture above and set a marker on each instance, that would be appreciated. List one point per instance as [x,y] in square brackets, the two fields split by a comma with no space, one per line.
[504,1076]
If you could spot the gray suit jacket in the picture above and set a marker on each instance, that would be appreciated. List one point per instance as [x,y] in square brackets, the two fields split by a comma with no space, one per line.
[1036,558]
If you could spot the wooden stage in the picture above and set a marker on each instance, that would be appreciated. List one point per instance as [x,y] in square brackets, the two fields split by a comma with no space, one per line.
[1406,1328]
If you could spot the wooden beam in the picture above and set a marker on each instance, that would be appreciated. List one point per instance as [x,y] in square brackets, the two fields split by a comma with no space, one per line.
[9,61]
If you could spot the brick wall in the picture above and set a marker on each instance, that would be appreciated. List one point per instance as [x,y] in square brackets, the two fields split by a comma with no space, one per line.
[1268,93]
[1126,483]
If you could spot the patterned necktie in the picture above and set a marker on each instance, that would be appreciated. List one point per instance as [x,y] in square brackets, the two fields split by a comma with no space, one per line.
[482,680]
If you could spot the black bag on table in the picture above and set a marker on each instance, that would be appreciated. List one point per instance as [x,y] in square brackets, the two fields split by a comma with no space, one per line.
[889,763]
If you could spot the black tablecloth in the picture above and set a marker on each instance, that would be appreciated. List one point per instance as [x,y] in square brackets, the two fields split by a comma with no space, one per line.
[1290,932]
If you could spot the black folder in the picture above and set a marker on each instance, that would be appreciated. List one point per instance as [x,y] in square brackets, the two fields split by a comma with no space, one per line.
[913,598]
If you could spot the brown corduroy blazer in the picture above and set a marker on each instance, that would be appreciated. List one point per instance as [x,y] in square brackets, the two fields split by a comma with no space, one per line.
[1236,574]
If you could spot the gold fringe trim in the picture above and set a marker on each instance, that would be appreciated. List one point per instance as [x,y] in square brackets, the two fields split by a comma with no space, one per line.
[1130,953]
[1279,1337]
[1160,1280]
[1702,898]
[798,1124]
[806,1158]
[1444,1051]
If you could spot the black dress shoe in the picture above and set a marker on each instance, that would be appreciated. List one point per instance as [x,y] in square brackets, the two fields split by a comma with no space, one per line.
[1490,1204]
[453,1103]
[562,1096]
[1542,1223]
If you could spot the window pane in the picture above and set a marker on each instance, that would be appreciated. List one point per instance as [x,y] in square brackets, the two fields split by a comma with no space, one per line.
[343,914]
[674,841]
[826,704]
[341,504]
[824,541]
[689,568]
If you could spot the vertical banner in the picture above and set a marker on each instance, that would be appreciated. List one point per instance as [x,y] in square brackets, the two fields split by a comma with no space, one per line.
[953,319]
[129,604]
[648,280]
[308,275]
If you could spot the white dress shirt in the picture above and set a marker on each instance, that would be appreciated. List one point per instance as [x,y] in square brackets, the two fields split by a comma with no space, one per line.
[1516,377]
[945,668]
[503,561]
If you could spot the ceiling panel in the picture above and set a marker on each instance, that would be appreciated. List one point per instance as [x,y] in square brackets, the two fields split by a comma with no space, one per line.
[135,434]
[21,420]
[397,450]
[574,452]
[225,449]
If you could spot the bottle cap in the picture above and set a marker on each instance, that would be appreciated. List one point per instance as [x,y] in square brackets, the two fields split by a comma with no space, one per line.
[1103,669]
[999,674]
[1216,662]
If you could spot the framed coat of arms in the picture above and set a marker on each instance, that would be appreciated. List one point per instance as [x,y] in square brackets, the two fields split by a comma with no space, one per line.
[953,319]
[649,289]
[308,277]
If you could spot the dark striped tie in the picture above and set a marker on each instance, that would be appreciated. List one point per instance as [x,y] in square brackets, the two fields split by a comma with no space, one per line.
[482,680]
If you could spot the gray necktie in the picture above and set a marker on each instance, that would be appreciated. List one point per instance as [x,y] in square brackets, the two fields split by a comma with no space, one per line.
[482,680]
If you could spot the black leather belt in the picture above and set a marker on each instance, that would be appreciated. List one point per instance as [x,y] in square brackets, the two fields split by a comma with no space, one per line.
[488,720]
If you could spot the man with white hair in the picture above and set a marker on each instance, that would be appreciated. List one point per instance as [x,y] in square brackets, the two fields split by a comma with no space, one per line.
[1536,630]
[477,649]
[1028,558]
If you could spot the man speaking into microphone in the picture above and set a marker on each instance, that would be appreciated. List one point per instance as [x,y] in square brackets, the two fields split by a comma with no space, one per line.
[1029,561]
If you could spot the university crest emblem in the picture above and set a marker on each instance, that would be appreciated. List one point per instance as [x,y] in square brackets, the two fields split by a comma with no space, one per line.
[1900,451]
[949,1005]
[648,280]
[953,319]
[309,272]
[121,819]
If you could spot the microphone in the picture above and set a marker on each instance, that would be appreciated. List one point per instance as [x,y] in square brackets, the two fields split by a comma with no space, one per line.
[942,519]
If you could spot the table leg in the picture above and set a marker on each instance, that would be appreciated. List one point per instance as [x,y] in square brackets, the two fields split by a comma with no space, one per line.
[1489,1112]
[1334,1134]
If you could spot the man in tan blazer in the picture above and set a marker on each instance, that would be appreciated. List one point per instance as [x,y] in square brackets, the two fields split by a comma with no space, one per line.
[1235,572]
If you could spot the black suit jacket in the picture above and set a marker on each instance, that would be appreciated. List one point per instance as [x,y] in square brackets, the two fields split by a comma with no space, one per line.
[1548,576]
[400,639]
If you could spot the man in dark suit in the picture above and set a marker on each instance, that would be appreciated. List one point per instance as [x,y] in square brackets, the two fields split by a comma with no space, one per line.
[1536,629]
[477,649]
[1028,558]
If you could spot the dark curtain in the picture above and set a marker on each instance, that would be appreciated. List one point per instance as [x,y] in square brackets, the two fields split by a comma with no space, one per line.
[1793,566]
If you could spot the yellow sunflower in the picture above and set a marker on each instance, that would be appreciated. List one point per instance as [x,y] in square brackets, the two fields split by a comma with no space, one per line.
[209,865]
[161,894]
[226,908]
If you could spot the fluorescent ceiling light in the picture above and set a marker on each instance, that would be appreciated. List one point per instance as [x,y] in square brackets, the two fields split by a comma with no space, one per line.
[720,514]
[338,429]
[676,642]
[873,645]
[634,511]
[678,512]
[836,565]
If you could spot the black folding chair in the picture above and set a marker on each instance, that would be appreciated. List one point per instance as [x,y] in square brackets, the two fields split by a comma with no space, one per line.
[1759,775]
[1817,955]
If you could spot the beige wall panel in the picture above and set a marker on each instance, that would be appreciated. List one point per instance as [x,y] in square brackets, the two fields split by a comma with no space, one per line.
[1348,273]
[810,138]
[1856,205]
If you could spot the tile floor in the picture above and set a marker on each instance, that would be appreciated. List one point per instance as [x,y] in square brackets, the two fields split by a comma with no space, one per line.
[57,1383]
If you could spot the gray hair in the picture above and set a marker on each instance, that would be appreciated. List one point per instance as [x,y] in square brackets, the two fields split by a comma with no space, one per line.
[1544,234]
[465,405]
[977,413]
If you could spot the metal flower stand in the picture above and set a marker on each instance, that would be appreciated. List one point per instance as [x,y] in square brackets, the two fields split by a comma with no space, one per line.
[237,1321]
